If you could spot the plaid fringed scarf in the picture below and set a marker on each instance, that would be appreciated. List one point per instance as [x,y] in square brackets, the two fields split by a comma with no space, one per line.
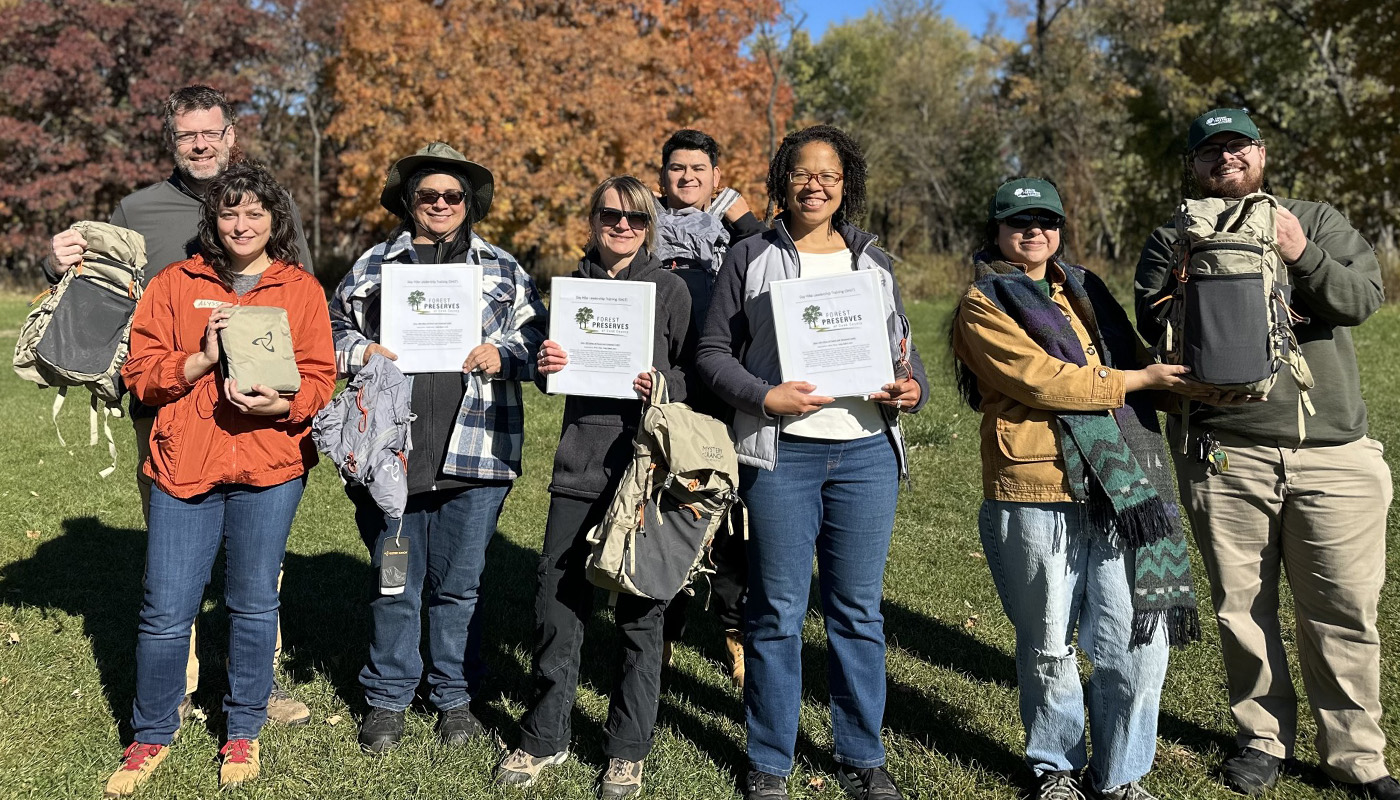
[1115,462]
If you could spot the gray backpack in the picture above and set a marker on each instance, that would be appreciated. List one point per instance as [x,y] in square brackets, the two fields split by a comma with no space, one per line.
[683,480]
[365,433]
[79,333]
[1228,317]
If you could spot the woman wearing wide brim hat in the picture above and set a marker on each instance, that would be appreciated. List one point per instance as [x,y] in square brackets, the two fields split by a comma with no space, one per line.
[466,435]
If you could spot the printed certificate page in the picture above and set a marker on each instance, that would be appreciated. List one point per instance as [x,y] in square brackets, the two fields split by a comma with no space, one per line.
[430,314]
[831,333]
[606,328]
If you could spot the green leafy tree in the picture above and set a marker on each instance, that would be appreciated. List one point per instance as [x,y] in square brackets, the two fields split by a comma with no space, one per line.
[583,317]
[416,299]
[810,315]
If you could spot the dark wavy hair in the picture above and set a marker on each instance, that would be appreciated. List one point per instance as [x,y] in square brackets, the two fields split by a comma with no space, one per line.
[238,184]
[852,206]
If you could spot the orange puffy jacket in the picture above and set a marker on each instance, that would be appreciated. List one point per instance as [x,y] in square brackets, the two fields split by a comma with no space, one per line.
[200,440]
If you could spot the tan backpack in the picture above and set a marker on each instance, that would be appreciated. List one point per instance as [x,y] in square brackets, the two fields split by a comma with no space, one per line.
[682,482]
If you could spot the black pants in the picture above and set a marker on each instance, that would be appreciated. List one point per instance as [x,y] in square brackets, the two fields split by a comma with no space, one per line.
[726,587]
[563,604]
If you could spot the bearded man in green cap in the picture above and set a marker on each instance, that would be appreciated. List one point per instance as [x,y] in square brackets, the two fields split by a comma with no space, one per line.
[1260,497]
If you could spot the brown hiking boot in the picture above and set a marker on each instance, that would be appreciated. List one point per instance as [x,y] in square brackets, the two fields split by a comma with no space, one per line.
[623,779]
[521,769]
[138,762]
[734,655]
[284,709]
[240,762]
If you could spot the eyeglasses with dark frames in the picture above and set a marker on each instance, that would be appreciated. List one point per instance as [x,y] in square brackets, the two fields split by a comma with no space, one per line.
[1211,153]
[1046,222]
[610,217]
[188,137]
[428,197]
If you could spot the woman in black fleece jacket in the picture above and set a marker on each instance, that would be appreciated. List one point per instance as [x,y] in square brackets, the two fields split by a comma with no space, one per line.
[595,447]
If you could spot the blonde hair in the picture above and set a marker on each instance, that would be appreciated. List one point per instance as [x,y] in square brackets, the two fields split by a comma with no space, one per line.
[634,196]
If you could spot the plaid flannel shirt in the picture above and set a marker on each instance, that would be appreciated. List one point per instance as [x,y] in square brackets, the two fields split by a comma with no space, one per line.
[488,438]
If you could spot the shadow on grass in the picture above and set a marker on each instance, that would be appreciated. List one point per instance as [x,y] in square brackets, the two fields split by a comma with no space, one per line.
[91,571]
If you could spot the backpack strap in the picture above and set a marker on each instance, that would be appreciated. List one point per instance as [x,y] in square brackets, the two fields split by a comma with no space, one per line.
[659,392]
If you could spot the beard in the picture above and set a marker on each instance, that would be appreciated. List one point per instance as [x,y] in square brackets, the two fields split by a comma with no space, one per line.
[204,170]
[1236,185]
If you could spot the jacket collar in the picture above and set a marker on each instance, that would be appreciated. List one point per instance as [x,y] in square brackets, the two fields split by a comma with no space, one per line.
[643,264]
[277,272]
[855,238]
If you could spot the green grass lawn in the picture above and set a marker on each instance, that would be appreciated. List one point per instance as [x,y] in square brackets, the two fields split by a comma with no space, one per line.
[71,559]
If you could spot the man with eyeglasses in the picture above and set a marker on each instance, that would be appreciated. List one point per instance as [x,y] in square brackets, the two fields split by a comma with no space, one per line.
[199,131]
[1315,507]
[695,226]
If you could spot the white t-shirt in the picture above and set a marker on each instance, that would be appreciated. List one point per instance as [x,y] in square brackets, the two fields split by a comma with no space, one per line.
[847,418]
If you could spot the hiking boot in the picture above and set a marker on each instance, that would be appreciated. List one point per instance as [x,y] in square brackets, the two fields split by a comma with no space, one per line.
[734,656]
[521,769]
[1386,788]
[871,783]
[284,709]
[623,779]
[457,726]
[1128,791]
[1058,786]
[138,762]
[240,762]
[1250,771]
[765,786]
[187,707]
[380,730]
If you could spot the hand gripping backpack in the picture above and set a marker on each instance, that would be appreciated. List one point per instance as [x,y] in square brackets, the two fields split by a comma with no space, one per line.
[655,538]
[79,333]
[1228,317]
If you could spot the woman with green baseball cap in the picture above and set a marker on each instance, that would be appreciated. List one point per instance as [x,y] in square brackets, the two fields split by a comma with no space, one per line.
[1079,525]
[467,435]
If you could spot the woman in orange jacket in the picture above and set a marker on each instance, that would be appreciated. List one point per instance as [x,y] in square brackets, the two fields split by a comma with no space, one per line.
[229,467]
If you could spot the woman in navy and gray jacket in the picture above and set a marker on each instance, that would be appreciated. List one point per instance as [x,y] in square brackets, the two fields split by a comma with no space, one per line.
[817,474]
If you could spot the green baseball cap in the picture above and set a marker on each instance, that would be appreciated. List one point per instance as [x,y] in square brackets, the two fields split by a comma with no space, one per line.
[1220,120]
[1022,194]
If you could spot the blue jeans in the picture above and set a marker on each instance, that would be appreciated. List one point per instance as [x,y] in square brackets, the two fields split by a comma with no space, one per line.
[835,499]
[447,533]
[184,537]
[1053,570]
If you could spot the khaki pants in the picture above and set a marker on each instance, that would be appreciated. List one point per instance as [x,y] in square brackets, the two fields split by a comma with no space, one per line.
[1320,514]
[143,426]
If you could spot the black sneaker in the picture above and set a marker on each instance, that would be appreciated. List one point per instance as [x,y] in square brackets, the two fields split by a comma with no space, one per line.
[1386,788]
[457,726]
[1058,786]
[380,730]
[1251,771]
[765,786]
[873,783]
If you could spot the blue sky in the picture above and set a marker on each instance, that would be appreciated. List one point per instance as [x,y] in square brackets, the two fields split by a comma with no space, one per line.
[971,14]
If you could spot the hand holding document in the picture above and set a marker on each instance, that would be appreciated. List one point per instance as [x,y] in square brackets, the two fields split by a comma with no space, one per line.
[606,328]
[430,314]
[831,333]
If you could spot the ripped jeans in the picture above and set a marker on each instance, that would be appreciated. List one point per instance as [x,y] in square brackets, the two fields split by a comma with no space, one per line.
[1053,571]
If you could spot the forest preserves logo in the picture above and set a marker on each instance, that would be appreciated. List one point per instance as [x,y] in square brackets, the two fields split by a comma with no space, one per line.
[1028,193]
[422,303]
[602,326]
[1213,121]
[823,320]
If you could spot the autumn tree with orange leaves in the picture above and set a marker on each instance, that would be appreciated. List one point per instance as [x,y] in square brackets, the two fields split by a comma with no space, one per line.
[552,97]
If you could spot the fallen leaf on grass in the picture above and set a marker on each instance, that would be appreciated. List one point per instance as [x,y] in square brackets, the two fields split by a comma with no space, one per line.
[977,554]
[33,493]
[333,719]
[31,534]
[816,783]
[198,714]
[4,681]
[12,638]
[971,622]
[76,693]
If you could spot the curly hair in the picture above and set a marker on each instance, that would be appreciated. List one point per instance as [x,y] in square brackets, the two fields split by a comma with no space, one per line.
[238,184]
[852,206]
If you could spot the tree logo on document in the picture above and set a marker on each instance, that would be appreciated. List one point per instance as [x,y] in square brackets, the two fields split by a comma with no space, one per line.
[421,303]
[582,317]
[812,315]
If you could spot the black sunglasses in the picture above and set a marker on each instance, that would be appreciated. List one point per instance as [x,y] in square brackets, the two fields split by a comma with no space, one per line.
[612,216]
[428,197]
[1048,222]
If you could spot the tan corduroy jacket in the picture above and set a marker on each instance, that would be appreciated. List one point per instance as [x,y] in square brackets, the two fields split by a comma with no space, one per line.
[1022,387]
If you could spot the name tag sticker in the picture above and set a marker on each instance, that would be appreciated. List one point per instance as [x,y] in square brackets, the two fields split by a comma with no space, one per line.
[209,303]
